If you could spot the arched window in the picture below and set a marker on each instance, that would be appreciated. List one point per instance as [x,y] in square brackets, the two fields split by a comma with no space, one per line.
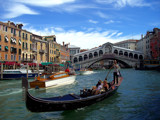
[141,57]
[90,55]
[85,57]
[126,54]
[100,52]
[75,60]
[80,58]
[120,52]
[135,56]
[116,51]
[95,54]
[130,55]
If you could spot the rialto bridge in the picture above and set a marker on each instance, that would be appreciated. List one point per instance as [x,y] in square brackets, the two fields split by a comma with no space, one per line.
[125,56]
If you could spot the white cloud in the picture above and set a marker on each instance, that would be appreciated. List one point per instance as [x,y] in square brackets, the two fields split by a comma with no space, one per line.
[85,40]
[102,15]
[120,33]
[93,21]
[123,3]
[44,3]
[17,10]
[109,22]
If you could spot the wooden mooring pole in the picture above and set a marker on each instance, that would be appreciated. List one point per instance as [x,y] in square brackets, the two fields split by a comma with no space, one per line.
[1,70]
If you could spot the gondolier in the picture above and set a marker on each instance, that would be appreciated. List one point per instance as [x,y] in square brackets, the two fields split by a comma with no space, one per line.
[116,73]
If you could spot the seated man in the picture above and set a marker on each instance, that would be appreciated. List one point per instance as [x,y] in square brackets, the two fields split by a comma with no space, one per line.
[105,85]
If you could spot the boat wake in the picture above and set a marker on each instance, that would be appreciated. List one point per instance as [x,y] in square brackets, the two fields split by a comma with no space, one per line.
[7,92]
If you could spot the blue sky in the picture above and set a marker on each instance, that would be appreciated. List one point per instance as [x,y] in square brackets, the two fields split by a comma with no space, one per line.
[84,23]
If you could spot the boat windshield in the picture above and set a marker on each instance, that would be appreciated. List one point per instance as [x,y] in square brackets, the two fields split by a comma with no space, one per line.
[17,72]
[60,75]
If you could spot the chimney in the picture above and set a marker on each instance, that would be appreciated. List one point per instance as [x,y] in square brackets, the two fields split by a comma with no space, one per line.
[63,43]
[141,36]
[9,23]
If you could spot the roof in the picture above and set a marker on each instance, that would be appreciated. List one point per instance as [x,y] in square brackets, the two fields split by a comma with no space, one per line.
[73,46]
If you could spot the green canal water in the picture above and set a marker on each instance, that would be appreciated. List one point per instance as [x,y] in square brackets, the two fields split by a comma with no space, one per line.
[138,98]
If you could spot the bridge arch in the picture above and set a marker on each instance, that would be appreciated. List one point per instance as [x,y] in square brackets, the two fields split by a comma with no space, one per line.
[118,60]
[126,54]
[90,55]
[95,54]
[75,60]
[80,58]
[135,56]
[100,52]
[130,55]
[116,51]
[85,57]
[120,52]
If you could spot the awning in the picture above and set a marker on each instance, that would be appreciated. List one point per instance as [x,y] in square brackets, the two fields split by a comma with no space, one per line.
[46,63]
[62,65]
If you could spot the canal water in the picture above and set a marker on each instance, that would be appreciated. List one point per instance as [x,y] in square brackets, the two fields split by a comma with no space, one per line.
[138,98]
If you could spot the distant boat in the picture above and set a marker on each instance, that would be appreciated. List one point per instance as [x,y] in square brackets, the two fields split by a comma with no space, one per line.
[52,80]
[85,72]
[18,73]
[65,102]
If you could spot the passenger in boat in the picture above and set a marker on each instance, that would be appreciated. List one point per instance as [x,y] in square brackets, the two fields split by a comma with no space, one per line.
[67,70]
[99,85]
[95,91]
[105,85]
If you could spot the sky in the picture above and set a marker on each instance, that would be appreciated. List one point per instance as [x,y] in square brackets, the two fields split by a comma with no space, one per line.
[84,23]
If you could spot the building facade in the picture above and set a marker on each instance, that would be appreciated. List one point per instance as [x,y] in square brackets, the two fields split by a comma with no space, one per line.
[26,38]
[73,50]
[10,41]
[150,44]
[65,53]
[129,44]
[39,49]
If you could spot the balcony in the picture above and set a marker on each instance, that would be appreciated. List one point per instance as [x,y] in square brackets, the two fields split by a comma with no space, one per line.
[34,49]
[41,51]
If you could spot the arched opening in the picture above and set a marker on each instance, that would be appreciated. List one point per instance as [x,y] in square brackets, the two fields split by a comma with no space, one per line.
[116,51]
[23,56]
[120,52]
[90,56]
[26,56]
[85,57]
[135,56]
[126,54]
[80,58]
[130,55]
[100,52]
[75,60]
[95,54]
[141,57]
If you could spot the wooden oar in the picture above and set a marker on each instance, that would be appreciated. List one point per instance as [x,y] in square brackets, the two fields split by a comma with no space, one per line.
[108,72]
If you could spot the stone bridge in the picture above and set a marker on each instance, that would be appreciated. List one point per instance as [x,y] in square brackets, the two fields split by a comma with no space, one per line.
[107,51]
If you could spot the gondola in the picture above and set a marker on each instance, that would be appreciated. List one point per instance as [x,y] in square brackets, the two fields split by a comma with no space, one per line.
[66,102]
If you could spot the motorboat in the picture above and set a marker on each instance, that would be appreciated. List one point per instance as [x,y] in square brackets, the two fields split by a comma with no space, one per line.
[52,80]
[18,73]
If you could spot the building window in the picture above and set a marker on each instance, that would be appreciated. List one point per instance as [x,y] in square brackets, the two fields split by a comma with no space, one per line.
[11,57]
[19,33]
[26,46]
[23,35]
[19,51]
[30,37]
[6,56]
[0,37]
[26,37]
[23,45]
[14,57]
[0,48]
[14,32]
[19,57]
[11,30]
[6,29]
[6,39]
[6,48]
